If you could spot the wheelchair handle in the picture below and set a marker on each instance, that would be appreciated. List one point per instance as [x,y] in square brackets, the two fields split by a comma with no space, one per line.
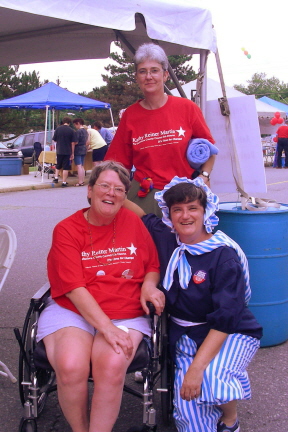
[151,308]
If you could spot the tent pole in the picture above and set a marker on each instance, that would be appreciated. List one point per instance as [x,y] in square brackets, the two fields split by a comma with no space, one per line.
[203,89]
[45,137]
[112,120]
[53,125]
[224,106]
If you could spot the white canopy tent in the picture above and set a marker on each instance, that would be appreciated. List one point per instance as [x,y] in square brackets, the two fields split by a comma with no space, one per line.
[264,111]
[60,31]
[27,26]
[40,31]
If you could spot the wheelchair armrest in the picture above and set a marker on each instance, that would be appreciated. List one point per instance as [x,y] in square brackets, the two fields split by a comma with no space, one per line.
[40,296]
[45,289]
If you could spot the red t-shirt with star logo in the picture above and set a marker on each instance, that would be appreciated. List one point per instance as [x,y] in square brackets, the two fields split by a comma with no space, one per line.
[115,278]
[155,141]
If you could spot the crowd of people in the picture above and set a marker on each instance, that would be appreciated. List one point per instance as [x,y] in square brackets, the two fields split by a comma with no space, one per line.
[73,145]
[151,240]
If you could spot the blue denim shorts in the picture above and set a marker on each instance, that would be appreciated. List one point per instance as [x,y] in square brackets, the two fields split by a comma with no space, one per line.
[79,159]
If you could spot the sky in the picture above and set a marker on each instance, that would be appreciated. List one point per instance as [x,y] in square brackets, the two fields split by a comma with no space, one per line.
[259,26]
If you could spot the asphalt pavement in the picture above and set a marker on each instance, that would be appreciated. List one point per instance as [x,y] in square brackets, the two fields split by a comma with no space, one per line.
[32,208]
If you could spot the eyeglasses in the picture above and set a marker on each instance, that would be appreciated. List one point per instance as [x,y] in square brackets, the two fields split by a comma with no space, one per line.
[153,72]
[105,187]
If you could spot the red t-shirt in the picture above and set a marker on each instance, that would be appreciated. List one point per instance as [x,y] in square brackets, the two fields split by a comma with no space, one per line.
[282,132]
[155,141]
[116,286]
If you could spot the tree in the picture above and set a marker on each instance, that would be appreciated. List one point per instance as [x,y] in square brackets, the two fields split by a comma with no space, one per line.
[13,83]
[121,89]
[260,86]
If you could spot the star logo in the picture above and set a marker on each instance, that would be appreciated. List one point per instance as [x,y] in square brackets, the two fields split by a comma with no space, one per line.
[181,132]
[132,249]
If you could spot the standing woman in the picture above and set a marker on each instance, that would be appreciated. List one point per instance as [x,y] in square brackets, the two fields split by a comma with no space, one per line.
[98,145]
[80,149]
[154,132]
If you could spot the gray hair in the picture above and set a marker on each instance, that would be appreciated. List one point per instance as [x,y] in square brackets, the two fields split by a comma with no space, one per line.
[113,166]
[150,51]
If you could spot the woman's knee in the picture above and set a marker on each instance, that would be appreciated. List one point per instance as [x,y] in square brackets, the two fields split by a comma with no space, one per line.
[110,367]
[71,371]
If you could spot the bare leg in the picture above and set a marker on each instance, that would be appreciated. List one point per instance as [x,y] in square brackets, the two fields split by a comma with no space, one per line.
[109,371]
[65,175]
[81,173]
[96,163]
[56,173]
[229,416]
[69,352]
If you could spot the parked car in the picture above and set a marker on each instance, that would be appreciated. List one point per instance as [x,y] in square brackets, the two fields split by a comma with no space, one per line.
[25,143]
[10,153]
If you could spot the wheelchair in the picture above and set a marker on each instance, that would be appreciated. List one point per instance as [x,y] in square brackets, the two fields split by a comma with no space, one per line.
[37,379]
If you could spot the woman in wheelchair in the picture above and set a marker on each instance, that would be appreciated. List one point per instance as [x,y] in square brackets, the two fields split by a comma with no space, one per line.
[213,335]
[103,268]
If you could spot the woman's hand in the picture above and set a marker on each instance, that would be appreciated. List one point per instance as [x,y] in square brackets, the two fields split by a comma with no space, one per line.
[152,294]
[91,311]
[192,382]
[191,387]
[118,339]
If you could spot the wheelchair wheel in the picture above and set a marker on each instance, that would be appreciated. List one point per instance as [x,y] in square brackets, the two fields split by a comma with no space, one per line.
[41,379]
[166,377]
[27,425]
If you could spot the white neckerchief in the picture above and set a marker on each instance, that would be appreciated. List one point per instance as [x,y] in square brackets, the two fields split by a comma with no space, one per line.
[179,260]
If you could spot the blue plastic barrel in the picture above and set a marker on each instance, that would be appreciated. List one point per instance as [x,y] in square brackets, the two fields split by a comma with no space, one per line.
[263,236]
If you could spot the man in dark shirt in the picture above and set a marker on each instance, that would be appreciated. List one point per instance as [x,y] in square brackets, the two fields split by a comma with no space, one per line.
[65,138]
[282,133]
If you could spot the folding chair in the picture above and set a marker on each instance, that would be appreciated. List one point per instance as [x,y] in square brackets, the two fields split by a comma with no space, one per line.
[45,163]
[8,246]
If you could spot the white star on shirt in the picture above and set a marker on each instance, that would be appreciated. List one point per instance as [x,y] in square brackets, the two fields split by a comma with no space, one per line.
[181,131]
[132,249]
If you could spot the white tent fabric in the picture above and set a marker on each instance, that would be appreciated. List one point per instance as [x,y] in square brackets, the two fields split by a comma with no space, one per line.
[38,31]
[264,111]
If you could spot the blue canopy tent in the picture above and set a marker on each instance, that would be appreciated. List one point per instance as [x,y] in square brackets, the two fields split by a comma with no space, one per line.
[276,104]
[54,97]
[51,97]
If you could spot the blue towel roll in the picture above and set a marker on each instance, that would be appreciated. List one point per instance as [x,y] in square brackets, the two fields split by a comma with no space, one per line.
[198,152]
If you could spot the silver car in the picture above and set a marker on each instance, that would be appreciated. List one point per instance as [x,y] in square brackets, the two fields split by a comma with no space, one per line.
[10,152]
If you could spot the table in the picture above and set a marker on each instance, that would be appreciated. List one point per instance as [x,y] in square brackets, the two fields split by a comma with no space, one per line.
[50,158]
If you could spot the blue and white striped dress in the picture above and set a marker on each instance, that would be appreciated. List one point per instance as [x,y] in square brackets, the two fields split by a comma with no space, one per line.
[225,379]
